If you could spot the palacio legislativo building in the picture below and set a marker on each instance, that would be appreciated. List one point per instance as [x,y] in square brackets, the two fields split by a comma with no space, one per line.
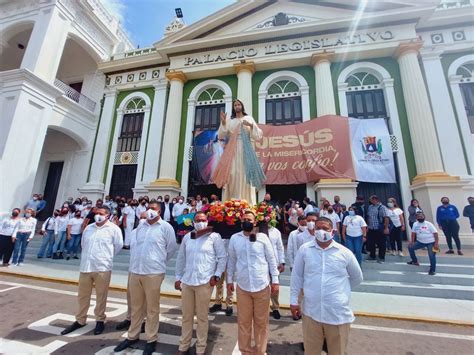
[84,113]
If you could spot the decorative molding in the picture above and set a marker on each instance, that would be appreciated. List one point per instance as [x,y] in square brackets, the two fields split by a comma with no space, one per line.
[408,47]
[174,26]
[176,75]
[289,19]
[325,56]
[141,77]
[246,66]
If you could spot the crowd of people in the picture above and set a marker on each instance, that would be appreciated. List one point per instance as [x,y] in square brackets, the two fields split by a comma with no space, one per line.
[249,262]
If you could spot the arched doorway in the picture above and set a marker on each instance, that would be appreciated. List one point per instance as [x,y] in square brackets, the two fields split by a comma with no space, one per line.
[13,43]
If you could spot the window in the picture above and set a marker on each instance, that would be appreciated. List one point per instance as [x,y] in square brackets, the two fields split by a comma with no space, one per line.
[366,104]
[467,91]
[208,117]
[131,132]
[283,104]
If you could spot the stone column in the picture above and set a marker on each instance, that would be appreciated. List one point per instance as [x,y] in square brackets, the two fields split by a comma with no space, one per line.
[46,43]
[443,112]
[420,119]
[431,182]
[166,182]
[325,103]
[244,73]
[152,158]
[94,187]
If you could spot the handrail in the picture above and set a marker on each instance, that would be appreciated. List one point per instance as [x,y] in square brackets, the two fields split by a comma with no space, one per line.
[74,95]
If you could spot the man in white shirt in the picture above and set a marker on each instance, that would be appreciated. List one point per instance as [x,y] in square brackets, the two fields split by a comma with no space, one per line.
[128,221]
[101,241]
[251,264]
[142,207]
[326,271]
[424,235]
[74,228]
[277,244]
[334,217]
[201,261]
[153,245]
[297,238]
[179,207]
[166,209]
[198,202]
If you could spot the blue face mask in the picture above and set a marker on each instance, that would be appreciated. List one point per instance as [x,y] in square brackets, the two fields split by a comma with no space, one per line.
[352,213]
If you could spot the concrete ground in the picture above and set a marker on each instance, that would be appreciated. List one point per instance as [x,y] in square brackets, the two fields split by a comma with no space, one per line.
[35,312]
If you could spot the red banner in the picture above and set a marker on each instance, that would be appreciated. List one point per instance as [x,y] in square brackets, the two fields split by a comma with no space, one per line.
[317,149]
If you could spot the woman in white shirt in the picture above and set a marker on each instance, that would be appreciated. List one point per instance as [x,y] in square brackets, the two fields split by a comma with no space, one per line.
[60,234]
[24,231]
[397,226]
[74,228]
[47,231]
[6,231]
[354,232]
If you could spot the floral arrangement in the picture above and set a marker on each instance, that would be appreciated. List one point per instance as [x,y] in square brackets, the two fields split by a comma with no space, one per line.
[228,212]
[265,213]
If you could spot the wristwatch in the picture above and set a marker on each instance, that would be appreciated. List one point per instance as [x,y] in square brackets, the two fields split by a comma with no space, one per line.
[217,278]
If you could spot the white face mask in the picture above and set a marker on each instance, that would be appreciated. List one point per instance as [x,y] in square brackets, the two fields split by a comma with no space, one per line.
[141,221]
[151,214]
[311,225]
[27,215]
[200,225]
[160,200]
[180,201]
[323,236]
[302,228]
[99,218]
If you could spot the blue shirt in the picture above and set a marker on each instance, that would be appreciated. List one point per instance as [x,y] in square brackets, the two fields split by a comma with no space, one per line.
[448,213]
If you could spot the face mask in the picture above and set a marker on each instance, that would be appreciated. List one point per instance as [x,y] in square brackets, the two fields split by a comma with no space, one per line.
[302,228]
[311,225]
[323,236]
[330,210]
[180,201]
[15,213]
[159,200]
[247,226]
[141,221]
[390,205]
[151,214]
[27,215]
[174,201]
[78,215]
[35,198]
[421,220]
[99,218]
[352,213]
[167,199]
[84,203]
[200,225]
[445,202]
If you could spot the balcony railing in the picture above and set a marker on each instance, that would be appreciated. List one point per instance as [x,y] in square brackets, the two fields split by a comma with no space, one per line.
[448,4]
[74,95]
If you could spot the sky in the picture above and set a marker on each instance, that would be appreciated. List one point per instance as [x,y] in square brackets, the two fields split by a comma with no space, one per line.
[145,20]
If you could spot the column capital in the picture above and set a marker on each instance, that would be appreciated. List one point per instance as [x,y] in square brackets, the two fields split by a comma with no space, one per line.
[324,56]
[407,47]
[110,92]
[176,75]
[161,85]
[432,53]
[247,66]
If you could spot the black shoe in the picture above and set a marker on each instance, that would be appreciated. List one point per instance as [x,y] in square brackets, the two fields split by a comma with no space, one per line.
[276,314]
[123,325]
[55,256]
[432,273]
[149,348]
[125,344]
[39,257]
[68,257]
[450,251]
[229,311]
[99,328]
[371,259]
[72,328]
[142,330]
[215,308]
[75,257]
[61,256]
[364,252]
[302,346]
[460,252]
[49,256]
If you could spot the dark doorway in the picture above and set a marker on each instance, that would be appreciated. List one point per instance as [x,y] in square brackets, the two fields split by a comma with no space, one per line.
[281,193]
[51,189]
[123,180]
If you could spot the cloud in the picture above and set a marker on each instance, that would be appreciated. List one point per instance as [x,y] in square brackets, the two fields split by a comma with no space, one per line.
[116,8]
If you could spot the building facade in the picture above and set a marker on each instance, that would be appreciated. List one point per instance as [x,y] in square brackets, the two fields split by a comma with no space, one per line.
[289,62]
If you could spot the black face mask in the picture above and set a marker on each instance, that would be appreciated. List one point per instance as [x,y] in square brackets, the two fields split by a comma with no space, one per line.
[421,220]
[247,226]
[167,200]
[15,214]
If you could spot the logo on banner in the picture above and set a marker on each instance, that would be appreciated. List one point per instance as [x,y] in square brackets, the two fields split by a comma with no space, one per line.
[370,144]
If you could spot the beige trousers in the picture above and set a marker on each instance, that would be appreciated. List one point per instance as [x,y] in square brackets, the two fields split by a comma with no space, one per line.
[195,301]
[220,292]
[88,280]
[275,302]
[253,310]
[145,290]
[129,302]
[337,337]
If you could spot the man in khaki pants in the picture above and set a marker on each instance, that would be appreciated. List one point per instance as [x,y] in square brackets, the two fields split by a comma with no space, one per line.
[153,245]
[101,241]
[201,261]
[252,259]
[326,271]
